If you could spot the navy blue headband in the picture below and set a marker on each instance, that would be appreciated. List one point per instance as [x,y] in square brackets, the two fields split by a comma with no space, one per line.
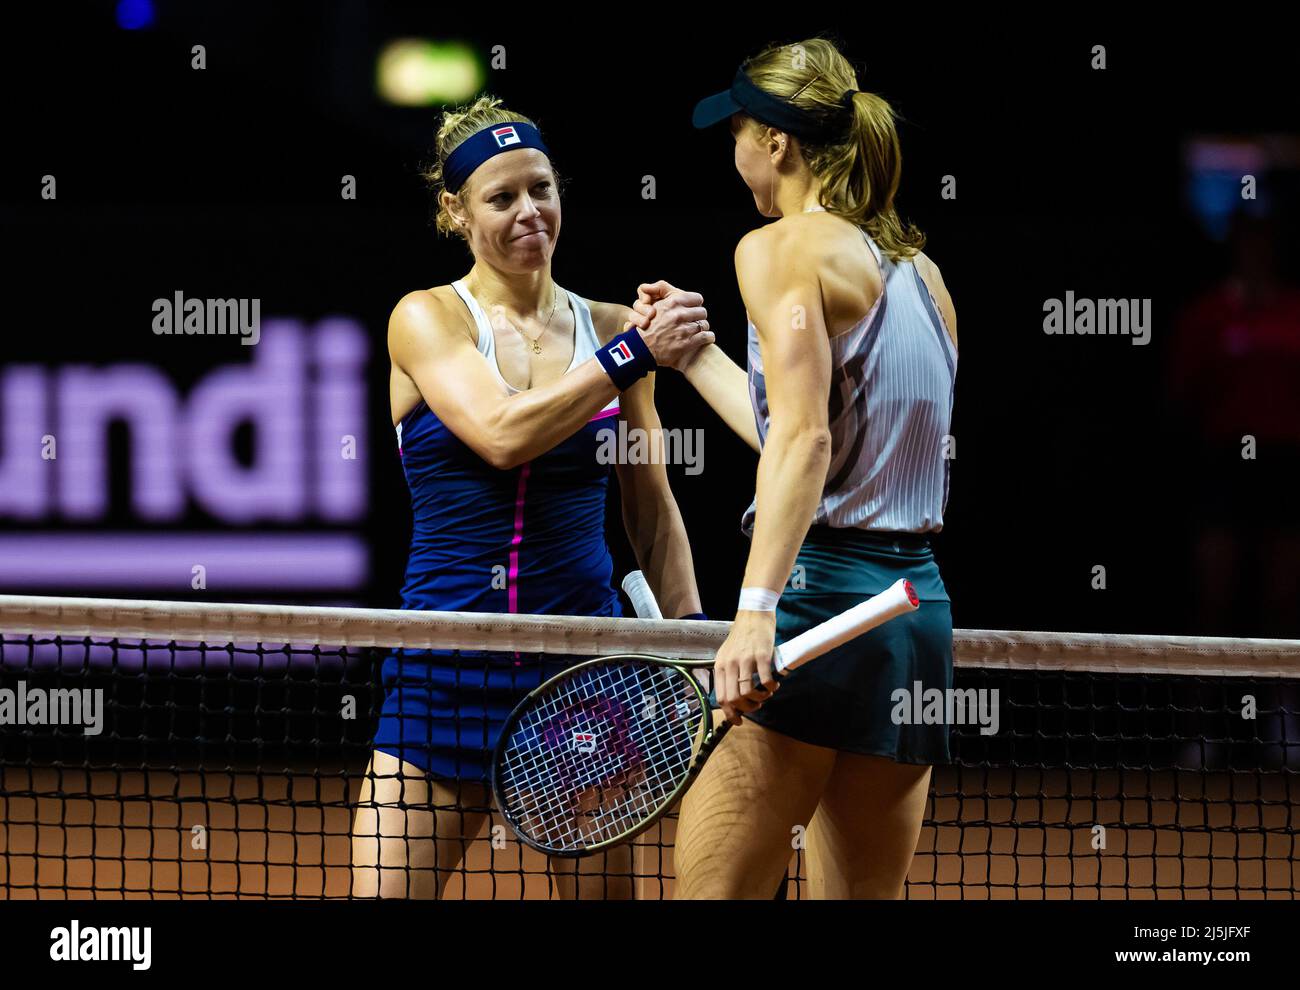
[482,145]
[807,125]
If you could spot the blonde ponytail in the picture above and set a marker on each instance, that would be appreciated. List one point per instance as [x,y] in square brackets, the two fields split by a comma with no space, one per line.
[858,177]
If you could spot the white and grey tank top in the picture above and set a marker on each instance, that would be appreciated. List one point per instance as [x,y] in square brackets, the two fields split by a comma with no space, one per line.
[892,378]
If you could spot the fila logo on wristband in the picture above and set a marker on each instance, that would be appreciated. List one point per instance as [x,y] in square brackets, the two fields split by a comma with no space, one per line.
[505,135]
[621,353]
[626,359]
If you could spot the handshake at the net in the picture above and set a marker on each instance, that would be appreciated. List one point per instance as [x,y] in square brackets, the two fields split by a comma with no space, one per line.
[673,323]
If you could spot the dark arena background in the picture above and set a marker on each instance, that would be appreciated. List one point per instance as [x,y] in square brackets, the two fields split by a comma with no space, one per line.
[1138,483]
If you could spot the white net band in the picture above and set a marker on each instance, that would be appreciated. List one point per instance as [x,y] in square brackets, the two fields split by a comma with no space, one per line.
[221,623]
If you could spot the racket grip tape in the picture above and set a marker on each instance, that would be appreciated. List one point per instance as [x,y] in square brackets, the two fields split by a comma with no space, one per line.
[637,589]
[898,598]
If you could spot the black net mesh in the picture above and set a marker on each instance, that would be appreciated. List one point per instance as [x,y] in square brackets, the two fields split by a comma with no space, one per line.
[220,771]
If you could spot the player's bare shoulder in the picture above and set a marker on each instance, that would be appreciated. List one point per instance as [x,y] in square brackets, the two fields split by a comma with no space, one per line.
[817,231]
[439,303]
[781,237]
[428,316]
[767,256]
[801,240]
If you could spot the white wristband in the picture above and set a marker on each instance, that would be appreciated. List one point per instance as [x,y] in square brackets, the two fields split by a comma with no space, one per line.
[758,600]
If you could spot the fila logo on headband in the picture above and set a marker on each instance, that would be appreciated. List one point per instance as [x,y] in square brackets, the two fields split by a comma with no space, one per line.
[621,353]
[505,135]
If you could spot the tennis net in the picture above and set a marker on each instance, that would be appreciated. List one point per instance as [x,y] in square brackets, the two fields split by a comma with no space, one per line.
[194,750]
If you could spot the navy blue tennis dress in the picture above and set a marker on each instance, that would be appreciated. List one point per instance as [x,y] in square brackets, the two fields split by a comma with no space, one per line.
[892,379]
[530,539]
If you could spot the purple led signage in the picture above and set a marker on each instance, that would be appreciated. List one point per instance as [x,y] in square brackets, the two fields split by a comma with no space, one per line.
[303,390]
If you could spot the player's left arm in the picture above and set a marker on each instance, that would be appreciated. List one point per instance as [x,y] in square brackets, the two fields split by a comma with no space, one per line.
[650,513]
[779,281]
[780,284]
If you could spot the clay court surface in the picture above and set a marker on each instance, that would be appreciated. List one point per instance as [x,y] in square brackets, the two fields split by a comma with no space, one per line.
[129,834]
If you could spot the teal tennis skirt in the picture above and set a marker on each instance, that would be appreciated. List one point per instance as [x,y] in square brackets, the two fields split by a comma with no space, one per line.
[848,699]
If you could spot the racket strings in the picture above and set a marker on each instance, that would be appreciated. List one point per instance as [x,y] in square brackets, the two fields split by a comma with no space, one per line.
[599,753]
[600,766]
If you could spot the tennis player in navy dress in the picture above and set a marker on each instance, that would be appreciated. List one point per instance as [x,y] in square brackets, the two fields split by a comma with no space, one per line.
[502,383]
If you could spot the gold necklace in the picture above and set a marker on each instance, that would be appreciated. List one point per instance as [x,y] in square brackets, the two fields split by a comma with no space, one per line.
[537,343]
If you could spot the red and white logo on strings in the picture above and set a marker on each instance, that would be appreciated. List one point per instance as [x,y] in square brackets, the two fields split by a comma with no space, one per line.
[505,135]
[584,742]
[621,353]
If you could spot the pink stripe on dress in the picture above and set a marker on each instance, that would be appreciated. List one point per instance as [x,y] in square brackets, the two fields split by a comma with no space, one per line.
[518,537]
[513,576]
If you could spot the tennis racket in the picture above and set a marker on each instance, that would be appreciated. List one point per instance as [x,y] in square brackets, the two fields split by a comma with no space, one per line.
[602,751]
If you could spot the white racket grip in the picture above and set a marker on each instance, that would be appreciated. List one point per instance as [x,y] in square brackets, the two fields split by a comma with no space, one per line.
[637,588]
[898,598]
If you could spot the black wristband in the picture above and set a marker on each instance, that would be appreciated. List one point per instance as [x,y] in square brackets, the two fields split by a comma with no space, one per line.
[626,359]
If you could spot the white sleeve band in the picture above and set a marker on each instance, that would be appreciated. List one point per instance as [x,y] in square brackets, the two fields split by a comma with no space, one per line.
[758,600]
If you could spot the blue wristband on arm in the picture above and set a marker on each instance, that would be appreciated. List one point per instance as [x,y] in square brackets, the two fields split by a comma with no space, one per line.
[626,359]
[695,615]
